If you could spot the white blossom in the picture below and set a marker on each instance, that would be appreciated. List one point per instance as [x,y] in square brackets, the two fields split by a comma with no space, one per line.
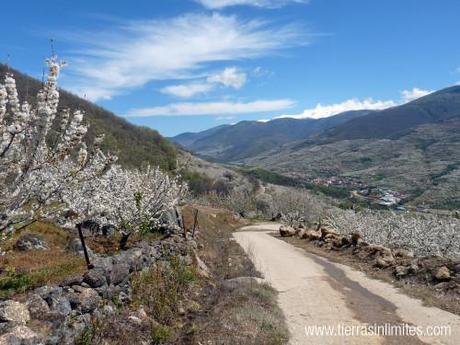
[37,164]
[128,199]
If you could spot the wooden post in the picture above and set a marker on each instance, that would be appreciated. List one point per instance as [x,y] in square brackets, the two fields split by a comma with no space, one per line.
[195,223]
[85,251]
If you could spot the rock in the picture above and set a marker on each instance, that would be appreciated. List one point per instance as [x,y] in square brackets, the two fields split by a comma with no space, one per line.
[232,284]
[120,272]
[313,235]
[95,277]
[37,306]
[356,239]
[69,281]
[327,231]
[201,267]
[12,311]
[401,271]
[49,293]
[20,335]
[302,234]
[61,306]
[456,268]
[30,242]
[442,274]
[108,230]
[76,247]
[403,253]
[286,231]
[92,227]
[85,300]
[385,261]
[181,311]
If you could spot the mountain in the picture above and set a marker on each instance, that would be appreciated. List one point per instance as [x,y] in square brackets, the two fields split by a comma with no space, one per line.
[232,143]
[438,106]
[187,139]
[133,145]
[412,148]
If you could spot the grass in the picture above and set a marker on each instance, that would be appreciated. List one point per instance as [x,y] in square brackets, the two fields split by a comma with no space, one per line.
[23,271]
[160,292]
[162,289]
[244,315]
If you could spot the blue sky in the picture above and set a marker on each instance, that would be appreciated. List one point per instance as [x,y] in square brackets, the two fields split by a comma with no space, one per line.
[188,65]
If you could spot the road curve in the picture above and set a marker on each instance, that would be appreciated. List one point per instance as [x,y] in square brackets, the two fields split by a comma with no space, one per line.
[315,293]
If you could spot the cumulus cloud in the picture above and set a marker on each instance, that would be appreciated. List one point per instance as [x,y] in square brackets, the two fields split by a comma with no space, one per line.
[132,54]
[230,77]
[218,4]
[322,111]
[412,95]
[213,108]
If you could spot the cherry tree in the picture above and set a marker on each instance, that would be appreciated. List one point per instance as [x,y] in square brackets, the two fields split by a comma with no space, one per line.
[42,153]
[425,234]
[131,200]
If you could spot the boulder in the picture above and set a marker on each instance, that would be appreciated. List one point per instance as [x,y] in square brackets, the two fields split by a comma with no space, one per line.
[108,230]
[76,246]
[232,284]
[385,260]
[403,253]
[401,271]
[95,277]
[49,293]
[327,231]
[286,231]
[12,311]
[456,268]
[61,306]
[120,272]
[442,274]
[37,306]
[84,300]
[20,335]
[356,239]
[30,242]
[201,267]
[313,235]
[302,234]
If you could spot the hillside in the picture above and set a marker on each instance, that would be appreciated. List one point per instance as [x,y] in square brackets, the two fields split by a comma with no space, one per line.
[231,143]
[393,122]
[413,148]
[134,145]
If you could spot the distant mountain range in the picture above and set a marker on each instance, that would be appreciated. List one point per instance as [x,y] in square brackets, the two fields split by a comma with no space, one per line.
[233,143]
[413,148]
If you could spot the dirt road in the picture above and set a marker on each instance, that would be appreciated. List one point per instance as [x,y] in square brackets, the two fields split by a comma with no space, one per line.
[317,296]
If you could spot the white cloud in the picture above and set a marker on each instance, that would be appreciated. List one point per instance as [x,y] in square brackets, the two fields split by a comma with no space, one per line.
[412,95]
[135,53]
[187,90]
[322,111]
[230,77]
[218,4]
[213,108]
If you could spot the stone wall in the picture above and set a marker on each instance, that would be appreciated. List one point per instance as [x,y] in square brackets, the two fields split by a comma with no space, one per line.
[58,314]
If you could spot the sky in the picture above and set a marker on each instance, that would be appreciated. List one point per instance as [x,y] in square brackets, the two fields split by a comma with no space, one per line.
[188,65]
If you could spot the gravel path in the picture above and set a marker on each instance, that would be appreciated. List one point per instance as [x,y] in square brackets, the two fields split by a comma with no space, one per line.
[315,292]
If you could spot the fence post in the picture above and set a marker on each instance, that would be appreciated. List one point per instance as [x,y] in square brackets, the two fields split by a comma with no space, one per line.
[85,251]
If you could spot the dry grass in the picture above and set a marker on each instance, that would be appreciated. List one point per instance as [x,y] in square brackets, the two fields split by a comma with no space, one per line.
[22,271]
[244,315]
